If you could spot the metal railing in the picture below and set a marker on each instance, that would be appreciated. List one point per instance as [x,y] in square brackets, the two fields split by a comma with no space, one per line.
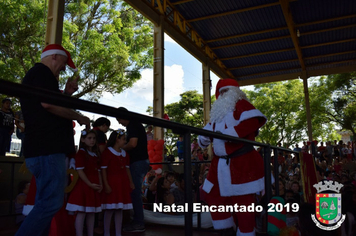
[19,90]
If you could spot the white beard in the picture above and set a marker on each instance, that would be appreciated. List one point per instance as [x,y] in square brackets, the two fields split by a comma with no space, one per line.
[226,103]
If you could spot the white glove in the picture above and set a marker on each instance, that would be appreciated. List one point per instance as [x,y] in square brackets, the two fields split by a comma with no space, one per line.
[203,141]
[72,163]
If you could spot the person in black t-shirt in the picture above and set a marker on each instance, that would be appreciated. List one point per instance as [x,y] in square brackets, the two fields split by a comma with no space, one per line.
[48,138]
[137,148]
[6,126]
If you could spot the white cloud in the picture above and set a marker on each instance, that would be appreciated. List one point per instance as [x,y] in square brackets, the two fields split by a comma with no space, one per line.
[173,86]
[173,79]
[168,39]
[144,87]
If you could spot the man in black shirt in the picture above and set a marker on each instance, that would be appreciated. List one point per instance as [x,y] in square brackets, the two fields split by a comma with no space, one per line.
[49,137]
[6,126]
[137,148]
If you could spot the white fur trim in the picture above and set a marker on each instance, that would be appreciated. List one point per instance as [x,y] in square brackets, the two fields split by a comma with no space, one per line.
[251,114]
[74,207]
[207,186]
[229,189]
[27,209]
[53,51]
[122,153]
[224,224]
[104,167]
[79,168]
[226,87]
[219,147]
[113,206]
[239,233]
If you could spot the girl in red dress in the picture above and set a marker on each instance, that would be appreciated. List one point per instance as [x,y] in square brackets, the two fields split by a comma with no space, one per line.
[117,181]
[85,197]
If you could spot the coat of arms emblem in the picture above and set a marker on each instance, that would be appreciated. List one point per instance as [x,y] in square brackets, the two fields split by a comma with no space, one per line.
[328,205]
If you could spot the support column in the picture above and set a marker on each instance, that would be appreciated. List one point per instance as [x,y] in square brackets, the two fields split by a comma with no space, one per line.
[307,105]
[54,28]
[206,93]
[207,101]
[158,76]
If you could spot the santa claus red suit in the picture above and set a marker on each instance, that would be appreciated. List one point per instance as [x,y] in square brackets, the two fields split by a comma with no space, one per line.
[236,172]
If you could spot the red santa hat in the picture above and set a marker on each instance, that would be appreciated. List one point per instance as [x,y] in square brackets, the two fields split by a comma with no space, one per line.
[58,49]
[224,84]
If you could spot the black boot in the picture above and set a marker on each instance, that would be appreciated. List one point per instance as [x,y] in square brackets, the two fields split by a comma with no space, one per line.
[228,232]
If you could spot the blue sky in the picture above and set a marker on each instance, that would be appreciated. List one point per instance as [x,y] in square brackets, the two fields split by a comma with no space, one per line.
[182,73]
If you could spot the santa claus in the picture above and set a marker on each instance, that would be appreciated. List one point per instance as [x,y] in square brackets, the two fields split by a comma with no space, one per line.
[236,171]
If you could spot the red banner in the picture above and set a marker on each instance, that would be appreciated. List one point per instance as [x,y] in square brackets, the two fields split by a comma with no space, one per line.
[308,172]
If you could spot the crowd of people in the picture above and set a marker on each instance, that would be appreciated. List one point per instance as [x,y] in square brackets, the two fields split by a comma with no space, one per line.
[336,162]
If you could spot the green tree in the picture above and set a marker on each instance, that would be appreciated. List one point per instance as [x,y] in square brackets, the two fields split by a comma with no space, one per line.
[281,103]
[109,41]
[340,108]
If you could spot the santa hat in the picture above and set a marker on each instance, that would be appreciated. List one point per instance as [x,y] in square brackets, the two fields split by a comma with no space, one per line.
[58,49]
[224,84]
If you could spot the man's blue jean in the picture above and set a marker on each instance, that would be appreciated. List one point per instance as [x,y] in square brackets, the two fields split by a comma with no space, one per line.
[50,174]
[138,171]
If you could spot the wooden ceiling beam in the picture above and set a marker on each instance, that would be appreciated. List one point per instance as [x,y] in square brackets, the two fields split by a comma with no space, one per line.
[331,63]
[328,43]
[246,34]
[251,42]
[293,60]
[289,20]
[290,76]
[328,29]
[181,2]
[330,55]
[289,49]
[282,37]
[268,79]
[233,12]
[257,54]
[308,67]
[326,20]
[264,64]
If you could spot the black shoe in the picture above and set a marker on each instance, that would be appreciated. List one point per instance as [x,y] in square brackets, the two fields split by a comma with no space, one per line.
[228,232]
[134,228]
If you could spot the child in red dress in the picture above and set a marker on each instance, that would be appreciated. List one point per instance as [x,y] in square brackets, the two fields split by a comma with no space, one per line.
[117,181]
[85,197]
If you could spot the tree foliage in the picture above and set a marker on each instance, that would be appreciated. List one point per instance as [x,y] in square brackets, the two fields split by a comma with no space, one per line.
[281,103]
[340,107]
[109,42]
